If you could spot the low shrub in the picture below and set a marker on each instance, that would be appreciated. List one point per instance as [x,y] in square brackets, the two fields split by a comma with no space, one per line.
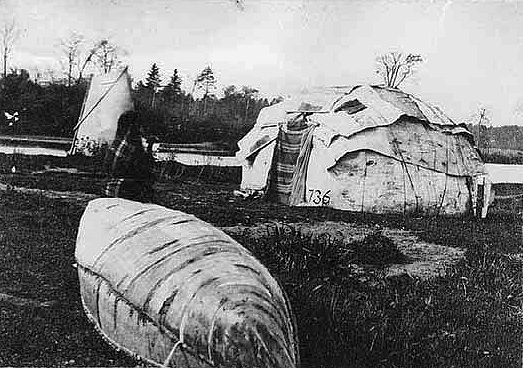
[377,249]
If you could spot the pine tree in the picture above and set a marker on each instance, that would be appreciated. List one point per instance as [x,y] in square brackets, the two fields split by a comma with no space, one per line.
[205,81]
[152,82]
[173,90]
[172,97]
[153,77]
[249,94]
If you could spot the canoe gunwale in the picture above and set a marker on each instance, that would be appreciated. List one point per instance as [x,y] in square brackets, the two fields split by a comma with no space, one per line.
[178,342]
[113,343]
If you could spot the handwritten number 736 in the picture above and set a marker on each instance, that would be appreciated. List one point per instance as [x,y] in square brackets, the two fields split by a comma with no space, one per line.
[318,197]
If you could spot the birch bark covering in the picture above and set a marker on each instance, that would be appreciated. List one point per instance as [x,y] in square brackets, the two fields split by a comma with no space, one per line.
[373,149]
[108,97]
[175,291]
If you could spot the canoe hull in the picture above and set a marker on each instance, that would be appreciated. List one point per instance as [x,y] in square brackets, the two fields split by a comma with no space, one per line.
[172,290]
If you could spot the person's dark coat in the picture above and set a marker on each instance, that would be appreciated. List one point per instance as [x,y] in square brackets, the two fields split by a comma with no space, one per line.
[128,164]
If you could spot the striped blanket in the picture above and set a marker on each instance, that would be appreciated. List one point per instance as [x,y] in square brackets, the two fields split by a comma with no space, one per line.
[129,170]
[289,167]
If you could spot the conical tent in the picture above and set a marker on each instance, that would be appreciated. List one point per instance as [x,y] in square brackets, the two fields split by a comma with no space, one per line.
[365,148]
[108,96]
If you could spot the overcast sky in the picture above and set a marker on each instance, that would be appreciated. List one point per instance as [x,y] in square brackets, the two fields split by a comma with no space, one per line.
[472,50]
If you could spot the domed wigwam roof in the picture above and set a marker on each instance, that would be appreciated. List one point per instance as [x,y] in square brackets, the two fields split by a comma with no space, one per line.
[359,138]
[386,104]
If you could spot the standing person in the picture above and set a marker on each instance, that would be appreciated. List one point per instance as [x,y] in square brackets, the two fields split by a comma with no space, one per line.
[127,164]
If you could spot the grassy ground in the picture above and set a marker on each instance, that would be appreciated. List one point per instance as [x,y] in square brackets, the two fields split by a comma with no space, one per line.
[470,318]
[36,262]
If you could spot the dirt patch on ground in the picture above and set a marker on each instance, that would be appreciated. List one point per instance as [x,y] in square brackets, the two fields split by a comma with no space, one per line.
[423,260]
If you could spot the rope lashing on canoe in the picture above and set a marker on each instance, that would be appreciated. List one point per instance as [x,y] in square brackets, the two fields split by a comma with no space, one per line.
[180,339]
[171,354]
[211,329]
[180,342]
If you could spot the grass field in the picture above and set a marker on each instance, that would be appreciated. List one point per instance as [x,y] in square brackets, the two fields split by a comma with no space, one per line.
[472,317]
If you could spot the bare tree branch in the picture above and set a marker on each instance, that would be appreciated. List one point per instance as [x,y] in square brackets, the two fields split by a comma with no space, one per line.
[396,67]
[88,59]
[107,55]
[70,49]
[9,34]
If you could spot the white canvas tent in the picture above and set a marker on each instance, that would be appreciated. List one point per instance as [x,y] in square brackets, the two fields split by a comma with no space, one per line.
[107,97]
[365,148]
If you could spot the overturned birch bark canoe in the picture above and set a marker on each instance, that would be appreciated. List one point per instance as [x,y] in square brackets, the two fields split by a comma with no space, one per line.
[173,290]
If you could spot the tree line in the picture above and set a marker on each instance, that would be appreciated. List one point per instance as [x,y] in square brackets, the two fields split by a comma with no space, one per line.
[501,137]
[170,113]
[175,115]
